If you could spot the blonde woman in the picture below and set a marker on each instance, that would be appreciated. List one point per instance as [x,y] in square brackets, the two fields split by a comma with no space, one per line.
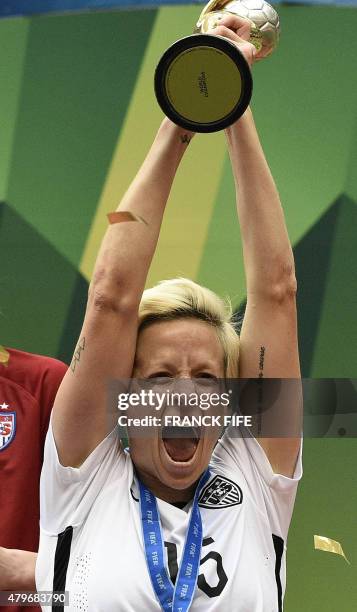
[154,529]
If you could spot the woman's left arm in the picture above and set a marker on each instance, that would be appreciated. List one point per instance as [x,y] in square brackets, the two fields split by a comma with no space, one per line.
[268,340]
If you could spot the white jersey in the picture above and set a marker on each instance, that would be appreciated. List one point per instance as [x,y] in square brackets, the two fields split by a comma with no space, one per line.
[91,535]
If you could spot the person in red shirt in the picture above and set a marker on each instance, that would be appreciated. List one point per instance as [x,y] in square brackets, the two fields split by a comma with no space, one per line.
[28,386]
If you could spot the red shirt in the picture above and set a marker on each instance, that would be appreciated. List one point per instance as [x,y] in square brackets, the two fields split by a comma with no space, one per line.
[28,386]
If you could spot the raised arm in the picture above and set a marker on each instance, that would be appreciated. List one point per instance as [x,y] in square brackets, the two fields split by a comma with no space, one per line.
[107,341]
[268,341]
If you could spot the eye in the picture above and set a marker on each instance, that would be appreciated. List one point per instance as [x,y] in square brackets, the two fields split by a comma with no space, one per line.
[159,379]
[161,374]
[208,375]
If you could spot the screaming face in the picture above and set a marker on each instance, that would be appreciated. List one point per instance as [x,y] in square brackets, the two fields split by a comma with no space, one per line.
[183,355]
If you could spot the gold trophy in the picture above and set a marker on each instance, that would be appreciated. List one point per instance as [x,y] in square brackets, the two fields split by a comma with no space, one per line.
[204,83]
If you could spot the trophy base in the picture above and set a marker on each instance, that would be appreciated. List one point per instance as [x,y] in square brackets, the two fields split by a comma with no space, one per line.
[203,83]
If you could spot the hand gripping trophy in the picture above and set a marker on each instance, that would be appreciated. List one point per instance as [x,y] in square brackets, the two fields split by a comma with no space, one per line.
[202,82]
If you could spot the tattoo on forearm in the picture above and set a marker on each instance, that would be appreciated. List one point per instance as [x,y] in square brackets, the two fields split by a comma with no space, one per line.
[77,353]
[185,138]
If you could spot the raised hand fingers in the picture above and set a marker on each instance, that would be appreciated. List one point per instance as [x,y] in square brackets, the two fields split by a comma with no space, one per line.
[245,47]
[222,30]
[239,25]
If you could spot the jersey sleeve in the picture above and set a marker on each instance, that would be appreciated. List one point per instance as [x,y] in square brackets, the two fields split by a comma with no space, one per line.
[66,493]
[274,494]
[40,376]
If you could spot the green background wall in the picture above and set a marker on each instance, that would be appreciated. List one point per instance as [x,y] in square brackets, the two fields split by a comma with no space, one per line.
[77,113]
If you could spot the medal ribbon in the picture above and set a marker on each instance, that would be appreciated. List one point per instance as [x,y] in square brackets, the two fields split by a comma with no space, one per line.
[178,598]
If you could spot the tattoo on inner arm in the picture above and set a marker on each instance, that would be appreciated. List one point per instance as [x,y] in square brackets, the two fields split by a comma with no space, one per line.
[77,353]
[260,389]
[261,361]
[185,138]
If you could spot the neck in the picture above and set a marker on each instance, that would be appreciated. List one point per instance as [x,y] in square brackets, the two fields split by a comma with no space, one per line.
[164,492]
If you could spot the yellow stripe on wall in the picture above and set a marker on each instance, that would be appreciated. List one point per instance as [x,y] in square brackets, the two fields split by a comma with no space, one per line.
[193,196]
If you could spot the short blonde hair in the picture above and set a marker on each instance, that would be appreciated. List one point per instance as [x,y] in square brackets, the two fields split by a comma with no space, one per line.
[181,297]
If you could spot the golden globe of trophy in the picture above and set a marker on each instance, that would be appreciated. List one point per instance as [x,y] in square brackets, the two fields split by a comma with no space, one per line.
[203,82]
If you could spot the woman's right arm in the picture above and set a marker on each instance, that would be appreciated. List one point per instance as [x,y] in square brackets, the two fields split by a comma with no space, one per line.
[17,570]
[106,346]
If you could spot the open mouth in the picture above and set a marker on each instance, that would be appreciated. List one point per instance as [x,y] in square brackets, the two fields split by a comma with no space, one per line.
[180,442]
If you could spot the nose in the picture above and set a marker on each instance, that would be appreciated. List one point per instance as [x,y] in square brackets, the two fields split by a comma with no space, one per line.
[184,384]
[184,397]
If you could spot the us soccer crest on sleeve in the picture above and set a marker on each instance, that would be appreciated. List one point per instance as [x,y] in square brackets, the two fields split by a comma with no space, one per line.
[203,83]
[7,426]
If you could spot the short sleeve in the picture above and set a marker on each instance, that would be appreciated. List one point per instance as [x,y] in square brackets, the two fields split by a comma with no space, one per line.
[274,494]
[66,493]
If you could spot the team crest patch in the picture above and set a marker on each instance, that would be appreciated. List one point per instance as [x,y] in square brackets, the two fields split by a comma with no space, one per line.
[7,428]
[220,493]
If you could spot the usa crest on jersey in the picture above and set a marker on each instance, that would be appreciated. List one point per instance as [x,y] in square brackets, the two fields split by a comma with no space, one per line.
[7,428]
[221,492]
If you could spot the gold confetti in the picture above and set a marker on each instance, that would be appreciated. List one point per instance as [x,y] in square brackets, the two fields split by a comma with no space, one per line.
[4,356]
[124,215]
[328,545]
